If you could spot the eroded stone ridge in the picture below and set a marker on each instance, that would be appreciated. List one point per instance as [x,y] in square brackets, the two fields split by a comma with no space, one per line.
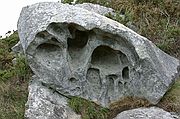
[82,53]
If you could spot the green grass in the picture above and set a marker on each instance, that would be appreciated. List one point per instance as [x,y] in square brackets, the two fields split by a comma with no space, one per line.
[88,109]
[13,96]
[67,1]
[13,90]
[127,103]
[13,80]
[171,101]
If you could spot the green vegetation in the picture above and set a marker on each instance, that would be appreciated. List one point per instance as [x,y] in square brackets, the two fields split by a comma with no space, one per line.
[5,50]
[67,1]
[171,100]
[127,103]
[13,80]
[88,109]
[127,17]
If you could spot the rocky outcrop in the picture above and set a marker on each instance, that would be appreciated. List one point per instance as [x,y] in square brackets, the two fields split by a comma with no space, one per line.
[146,113]
[82,53]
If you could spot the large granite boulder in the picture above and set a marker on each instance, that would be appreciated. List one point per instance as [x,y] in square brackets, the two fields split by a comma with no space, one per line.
[82,53]
[146,113]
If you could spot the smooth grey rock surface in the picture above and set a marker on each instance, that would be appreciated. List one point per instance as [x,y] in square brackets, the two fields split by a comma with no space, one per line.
[82,53]
[43,103]
[146,113]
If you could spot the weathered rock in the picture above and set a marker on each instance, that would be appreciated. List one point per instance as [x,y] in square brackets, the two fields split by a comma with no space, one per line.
[105,11]
[96,8]
[82,53]
[146,113]
[176,115]
[17,48]
[46,104]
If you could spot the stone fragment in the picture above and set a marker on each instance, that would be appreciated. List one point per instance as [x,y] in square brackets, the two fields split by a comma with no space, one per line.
[146,113]
[82,53]
[43,103]
[17,48]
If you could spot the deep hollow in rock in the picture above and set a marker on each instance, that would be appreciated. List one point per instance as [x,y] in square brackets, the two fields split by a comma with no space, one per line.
[106,59]
[76,45]
[49,54]
[125,73]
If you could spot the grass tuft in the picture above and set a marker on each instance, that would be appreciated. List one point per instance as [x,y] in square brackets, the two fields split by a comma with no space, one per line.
[88,109]
[127,103]
[171,100]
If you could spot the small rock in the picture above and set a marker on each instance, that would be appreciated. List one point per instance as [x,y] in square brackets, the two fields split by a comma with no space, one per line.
[17,48]
[43,103]
[145,113]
